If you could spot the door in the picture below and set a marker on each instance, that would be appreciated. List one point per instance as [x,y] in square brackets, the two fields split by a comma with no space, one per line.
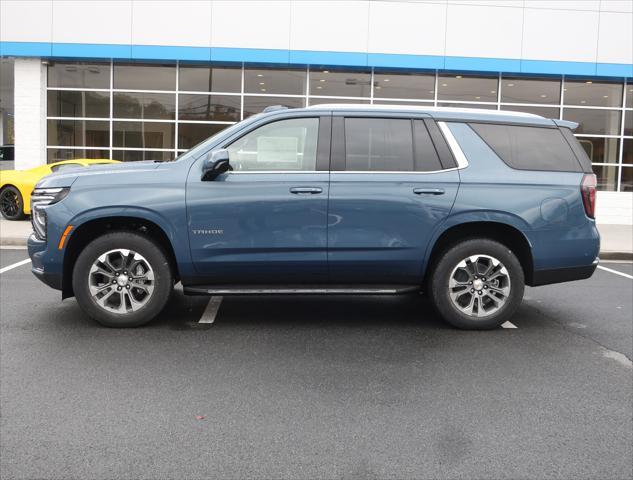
[390,187]
[265,222]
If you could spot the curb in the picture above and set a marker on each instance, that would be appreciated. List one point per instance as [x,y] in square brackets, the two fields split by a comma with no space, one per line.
[616,255]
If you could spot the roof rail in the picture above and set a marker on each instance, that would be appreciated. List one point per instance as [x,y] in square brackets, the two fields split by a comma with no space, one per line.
[274,108]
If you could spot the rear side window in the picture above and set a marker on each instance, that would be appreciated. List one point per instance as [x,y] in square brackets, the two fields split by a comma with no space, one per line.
[378,144]
[529,148]
[426,157]
[580,152]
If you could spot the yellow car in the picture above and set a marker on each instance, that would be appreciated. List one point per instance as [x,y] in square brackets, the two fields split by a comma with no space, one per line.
[16,185]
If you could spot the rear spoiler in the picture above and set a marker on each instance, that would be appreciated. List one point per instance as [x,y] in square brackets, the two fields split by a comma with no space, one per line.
[566,124]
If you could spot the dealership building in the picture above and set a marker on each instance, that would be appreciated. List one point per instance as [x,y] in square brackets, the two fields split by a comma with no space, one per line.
[134,79]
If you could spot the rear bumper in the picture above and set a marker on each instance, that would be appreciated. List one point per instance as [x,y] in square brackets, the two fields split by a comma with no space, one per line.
[559,275]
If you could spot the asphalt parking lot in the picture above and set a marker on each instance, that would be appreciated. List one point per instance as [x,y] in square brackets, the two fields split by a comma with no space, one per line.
[312,387]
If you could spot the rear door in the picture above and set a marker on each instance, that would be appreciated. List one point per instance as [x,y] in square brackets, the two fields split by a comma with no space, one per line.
[393,181]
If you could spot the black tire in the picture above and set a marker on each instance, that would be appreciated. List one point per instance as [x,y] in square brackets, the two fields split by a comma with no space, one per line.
[443,269]
[163,279]
[11,203]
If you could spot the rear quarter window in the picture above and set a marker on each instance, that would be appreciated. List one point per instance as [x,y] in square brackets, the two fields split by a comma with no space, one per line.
[529,148]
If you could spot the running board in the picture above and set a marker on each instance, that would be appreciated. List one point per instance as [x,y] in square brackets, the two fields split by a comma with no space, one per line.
[299,290]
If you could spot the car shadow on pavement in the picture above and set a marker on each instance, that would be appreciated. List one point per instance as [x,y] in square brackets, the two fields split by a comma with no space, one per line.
[275,311]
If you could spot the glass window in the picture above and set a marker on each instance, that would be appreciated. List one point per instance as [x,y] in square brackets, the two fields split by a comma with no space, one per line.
[627,151]
[601,150]
[626,183]
[378,144]
[523,90]
[464,87]
[139,155]
[404,85]
[159,106]
[467,105]
[144,77]
[70,103]
[628,122]
[340,83]
[588,92]
[324,101]
[285,82]
[214,79]
[58,154]
[607,177]
[594,122]
[143,134]
[79,133]
[529,148]
[426,157]
[283,145]
[79,75]
[190,134]
[253,105]
[629,95]
[547,112]
[219,108]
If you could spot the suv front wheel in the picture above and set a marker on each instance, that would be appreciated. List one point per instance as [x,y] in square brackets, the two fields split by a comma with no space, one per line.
[477,284]
[122,279]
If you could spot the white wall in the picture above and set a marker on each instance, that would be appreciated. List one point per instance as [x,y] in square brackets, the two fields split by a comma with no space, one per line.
[581,30]
[30,113]
[614,208]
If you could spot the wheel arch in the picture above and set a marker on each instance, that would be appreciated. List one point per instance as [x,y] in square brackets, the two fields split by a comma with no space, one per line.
[502,232]
[89,230]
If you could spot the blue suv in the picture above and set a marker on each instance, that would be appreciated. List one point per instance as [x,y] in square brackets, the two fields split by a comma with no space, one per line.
[467,206]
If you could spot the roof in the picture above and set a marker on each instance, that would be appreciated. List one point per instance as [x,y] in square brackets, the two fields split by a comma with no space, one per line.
[443,113]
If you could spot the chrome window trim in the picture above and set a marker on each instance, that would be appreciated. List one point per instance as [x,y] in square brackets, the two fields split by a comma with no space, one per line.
[462,161]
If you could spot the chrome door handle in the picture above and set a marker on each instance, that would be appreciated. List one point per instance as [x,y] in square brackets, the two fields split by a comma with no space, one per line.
[428,191]
[306,190]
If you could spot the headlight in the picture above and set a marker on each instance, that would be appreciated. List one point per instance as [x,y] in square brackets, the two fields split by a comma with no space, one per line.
[41,198]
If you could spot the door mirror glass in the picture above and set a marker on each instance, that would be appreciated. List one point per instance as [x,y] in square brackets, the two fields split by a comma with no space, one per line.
[215,164]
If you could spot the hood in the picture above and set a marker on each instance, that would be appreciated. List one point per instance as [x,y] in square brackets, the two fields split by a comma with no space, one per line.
[108,171]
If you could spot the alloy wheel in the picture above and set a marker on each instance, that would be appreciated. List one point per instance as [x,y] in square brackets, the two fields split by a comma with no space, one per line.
[121,281]
[479,286]
[9,203]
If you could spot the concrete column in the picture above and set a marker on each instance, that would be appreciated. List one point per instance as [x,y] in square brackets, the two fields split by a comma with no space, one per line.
[30,112]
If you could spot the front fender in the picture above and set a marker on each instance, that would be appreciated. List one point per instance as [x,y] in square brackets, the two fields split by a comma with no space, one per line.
[176,236]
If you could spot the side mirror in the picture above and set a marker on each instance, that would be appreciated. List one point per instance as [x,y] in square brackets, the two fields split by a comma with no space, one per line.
[216,163]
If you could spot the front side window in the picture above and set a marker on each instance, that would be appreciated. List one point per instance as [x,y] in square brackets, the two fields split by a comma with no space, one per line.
[279,146]
[378,144]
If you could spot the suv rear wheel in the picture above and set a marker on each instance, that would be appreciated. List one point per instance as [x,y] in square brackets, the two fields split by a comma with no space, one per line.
[477,284]
[122,279]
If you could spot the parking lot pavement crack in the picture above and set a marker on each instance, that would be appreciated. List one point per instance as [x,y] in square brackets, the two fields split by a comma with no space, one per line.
[607,352]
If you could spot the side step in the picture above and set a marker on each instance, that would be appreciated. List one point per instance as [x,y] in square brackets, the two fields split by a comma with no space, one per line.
[299,289]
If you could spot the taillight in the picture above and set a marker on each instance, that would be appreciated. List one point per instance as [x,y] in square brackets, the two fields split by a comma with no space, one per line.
[588,192]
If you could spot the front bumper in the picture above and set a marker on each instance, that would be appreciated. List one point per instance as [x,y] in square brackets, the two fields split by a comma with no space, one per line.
[48,272]
[559,275]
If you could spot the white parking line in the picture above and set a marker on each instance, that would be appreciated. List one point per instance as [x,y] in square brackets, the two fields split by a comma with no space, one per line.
[508,325]
[622,274]
[209,314]
[15,265]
